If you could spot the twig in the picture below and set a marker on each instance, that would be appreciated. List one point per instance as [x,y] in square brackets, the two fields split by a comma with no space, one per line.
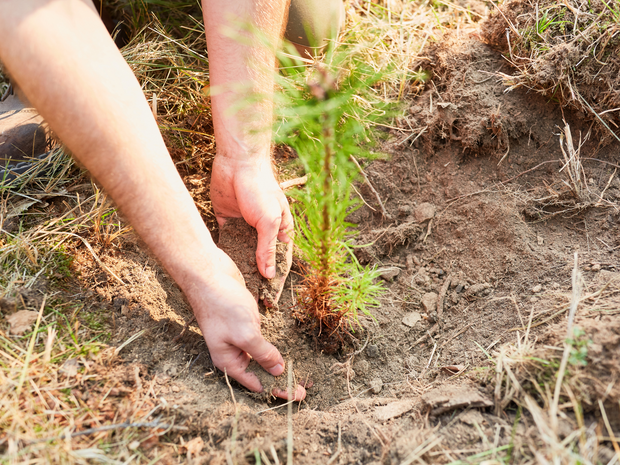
[274,455]
[150,424]
[429,333]
[383,210]
[417,173]
[429,361]
[293,182]
[361,197]
[428,230]
[531,169]
[456,335]
[598,204]
[440,299]
[232,394]
[335,456]
[289,437]
[609,430]
[357,352]
[92,252]
[178,337]
[276,407]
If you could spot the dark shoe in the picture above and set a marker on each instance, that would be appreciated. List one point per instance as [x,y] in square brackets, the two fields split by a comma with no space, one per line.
[24,136]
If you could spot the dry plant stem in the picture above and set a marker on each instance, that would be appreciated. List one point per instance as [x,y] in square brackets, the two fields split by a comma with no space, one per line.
[289,437]
[441,298]
[553,411]
[178,337]
[374,191]
[151,424]
[33,338]
[361,197]
[334,457]
[428,334]
[232,394]
[428,364]
[614,441]
[456,335]
[293,182]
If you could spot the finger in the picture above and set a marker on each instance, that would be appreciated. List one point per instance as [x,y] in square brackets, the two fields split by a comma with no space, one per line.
[265,354]
[285,234]
[299,393]
[267,229]
[277,284]
[234,362]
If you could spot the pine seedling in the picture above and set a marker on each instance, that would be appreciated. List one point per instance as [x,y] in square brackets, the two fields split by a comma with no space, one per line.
[321,117]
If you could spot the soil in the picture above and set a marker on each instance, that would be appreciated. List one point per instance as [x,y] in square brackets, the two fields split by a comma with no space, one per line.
[239,240]
[502,235]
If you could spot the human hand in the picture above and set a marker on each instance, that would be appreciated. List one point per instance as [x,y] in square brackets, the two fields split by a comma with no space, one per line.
[248,189]
[228,317]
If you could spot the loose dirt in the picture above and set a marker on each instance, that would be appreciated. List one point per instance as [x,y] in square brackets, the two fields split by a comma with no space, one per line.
[503,230]
[239,240]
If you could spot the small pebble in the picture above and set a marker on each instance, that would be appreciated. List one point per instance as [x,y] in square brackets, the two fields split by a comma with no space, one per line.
[429,302]
[376,385]
[390,273]
[536,289]
[362,367]
[596,267]
[372,351]
[410,319]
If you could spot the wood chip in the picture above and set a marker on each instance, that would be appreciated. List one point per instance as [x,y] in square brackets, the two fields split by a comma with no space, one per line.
[448,398]
[393,410]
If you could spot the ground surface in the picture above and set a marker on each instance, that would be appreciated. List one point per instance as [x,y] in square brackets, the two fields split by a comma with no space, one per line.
[480,222]
[504,234]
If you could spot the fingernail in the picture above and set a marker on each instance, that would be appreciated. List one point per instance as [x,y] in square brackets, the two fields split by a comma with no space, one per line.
[271,272]
[277,370]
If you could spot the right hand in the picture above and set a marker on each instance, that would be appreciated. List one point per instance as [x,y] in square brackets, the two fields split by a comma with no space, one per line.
[228,317]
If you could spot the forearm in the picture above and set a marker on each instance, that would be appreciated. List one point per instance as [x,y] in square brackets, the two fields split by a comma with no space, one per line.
[64,60]
[232,64]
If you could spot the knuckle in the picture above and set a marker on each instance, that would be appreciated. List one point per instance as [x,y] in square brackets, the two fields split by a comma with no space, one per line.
[247,338]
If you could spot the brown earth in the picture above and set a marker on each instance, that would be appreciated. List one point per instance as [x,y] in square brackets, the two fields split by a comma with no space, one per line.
[503,233]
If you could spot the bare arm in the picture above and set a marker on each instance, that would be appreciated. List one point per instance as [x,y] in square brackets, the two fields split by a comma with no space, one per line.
[62,57]
[242,182]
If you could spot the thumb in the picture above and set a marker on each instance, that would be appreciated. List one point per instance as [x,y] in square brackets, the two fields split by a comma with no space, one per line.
[267,229]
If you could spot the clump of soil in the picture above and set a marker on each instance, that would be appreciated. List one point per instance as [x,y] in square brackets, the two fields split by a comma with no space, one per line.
[568,51]
[466,107]
[239,240]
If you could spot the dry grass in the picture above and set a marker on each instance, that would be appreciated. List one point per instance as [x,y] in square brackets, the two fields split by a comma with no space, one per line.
[566,50]
[557,388]
[65,398]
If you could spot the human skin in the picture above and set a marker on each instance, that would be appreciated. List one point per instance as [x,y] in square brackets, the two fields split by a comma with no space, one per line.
[65,62]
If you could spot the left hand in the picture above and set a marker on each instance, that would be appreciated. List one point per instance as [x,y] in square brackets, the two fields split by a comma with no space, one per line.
[248,189]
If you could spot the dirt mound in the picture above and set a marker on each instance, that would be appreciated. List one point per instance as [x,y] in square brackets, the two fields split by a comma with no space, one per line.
[569,51]
[466,105]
